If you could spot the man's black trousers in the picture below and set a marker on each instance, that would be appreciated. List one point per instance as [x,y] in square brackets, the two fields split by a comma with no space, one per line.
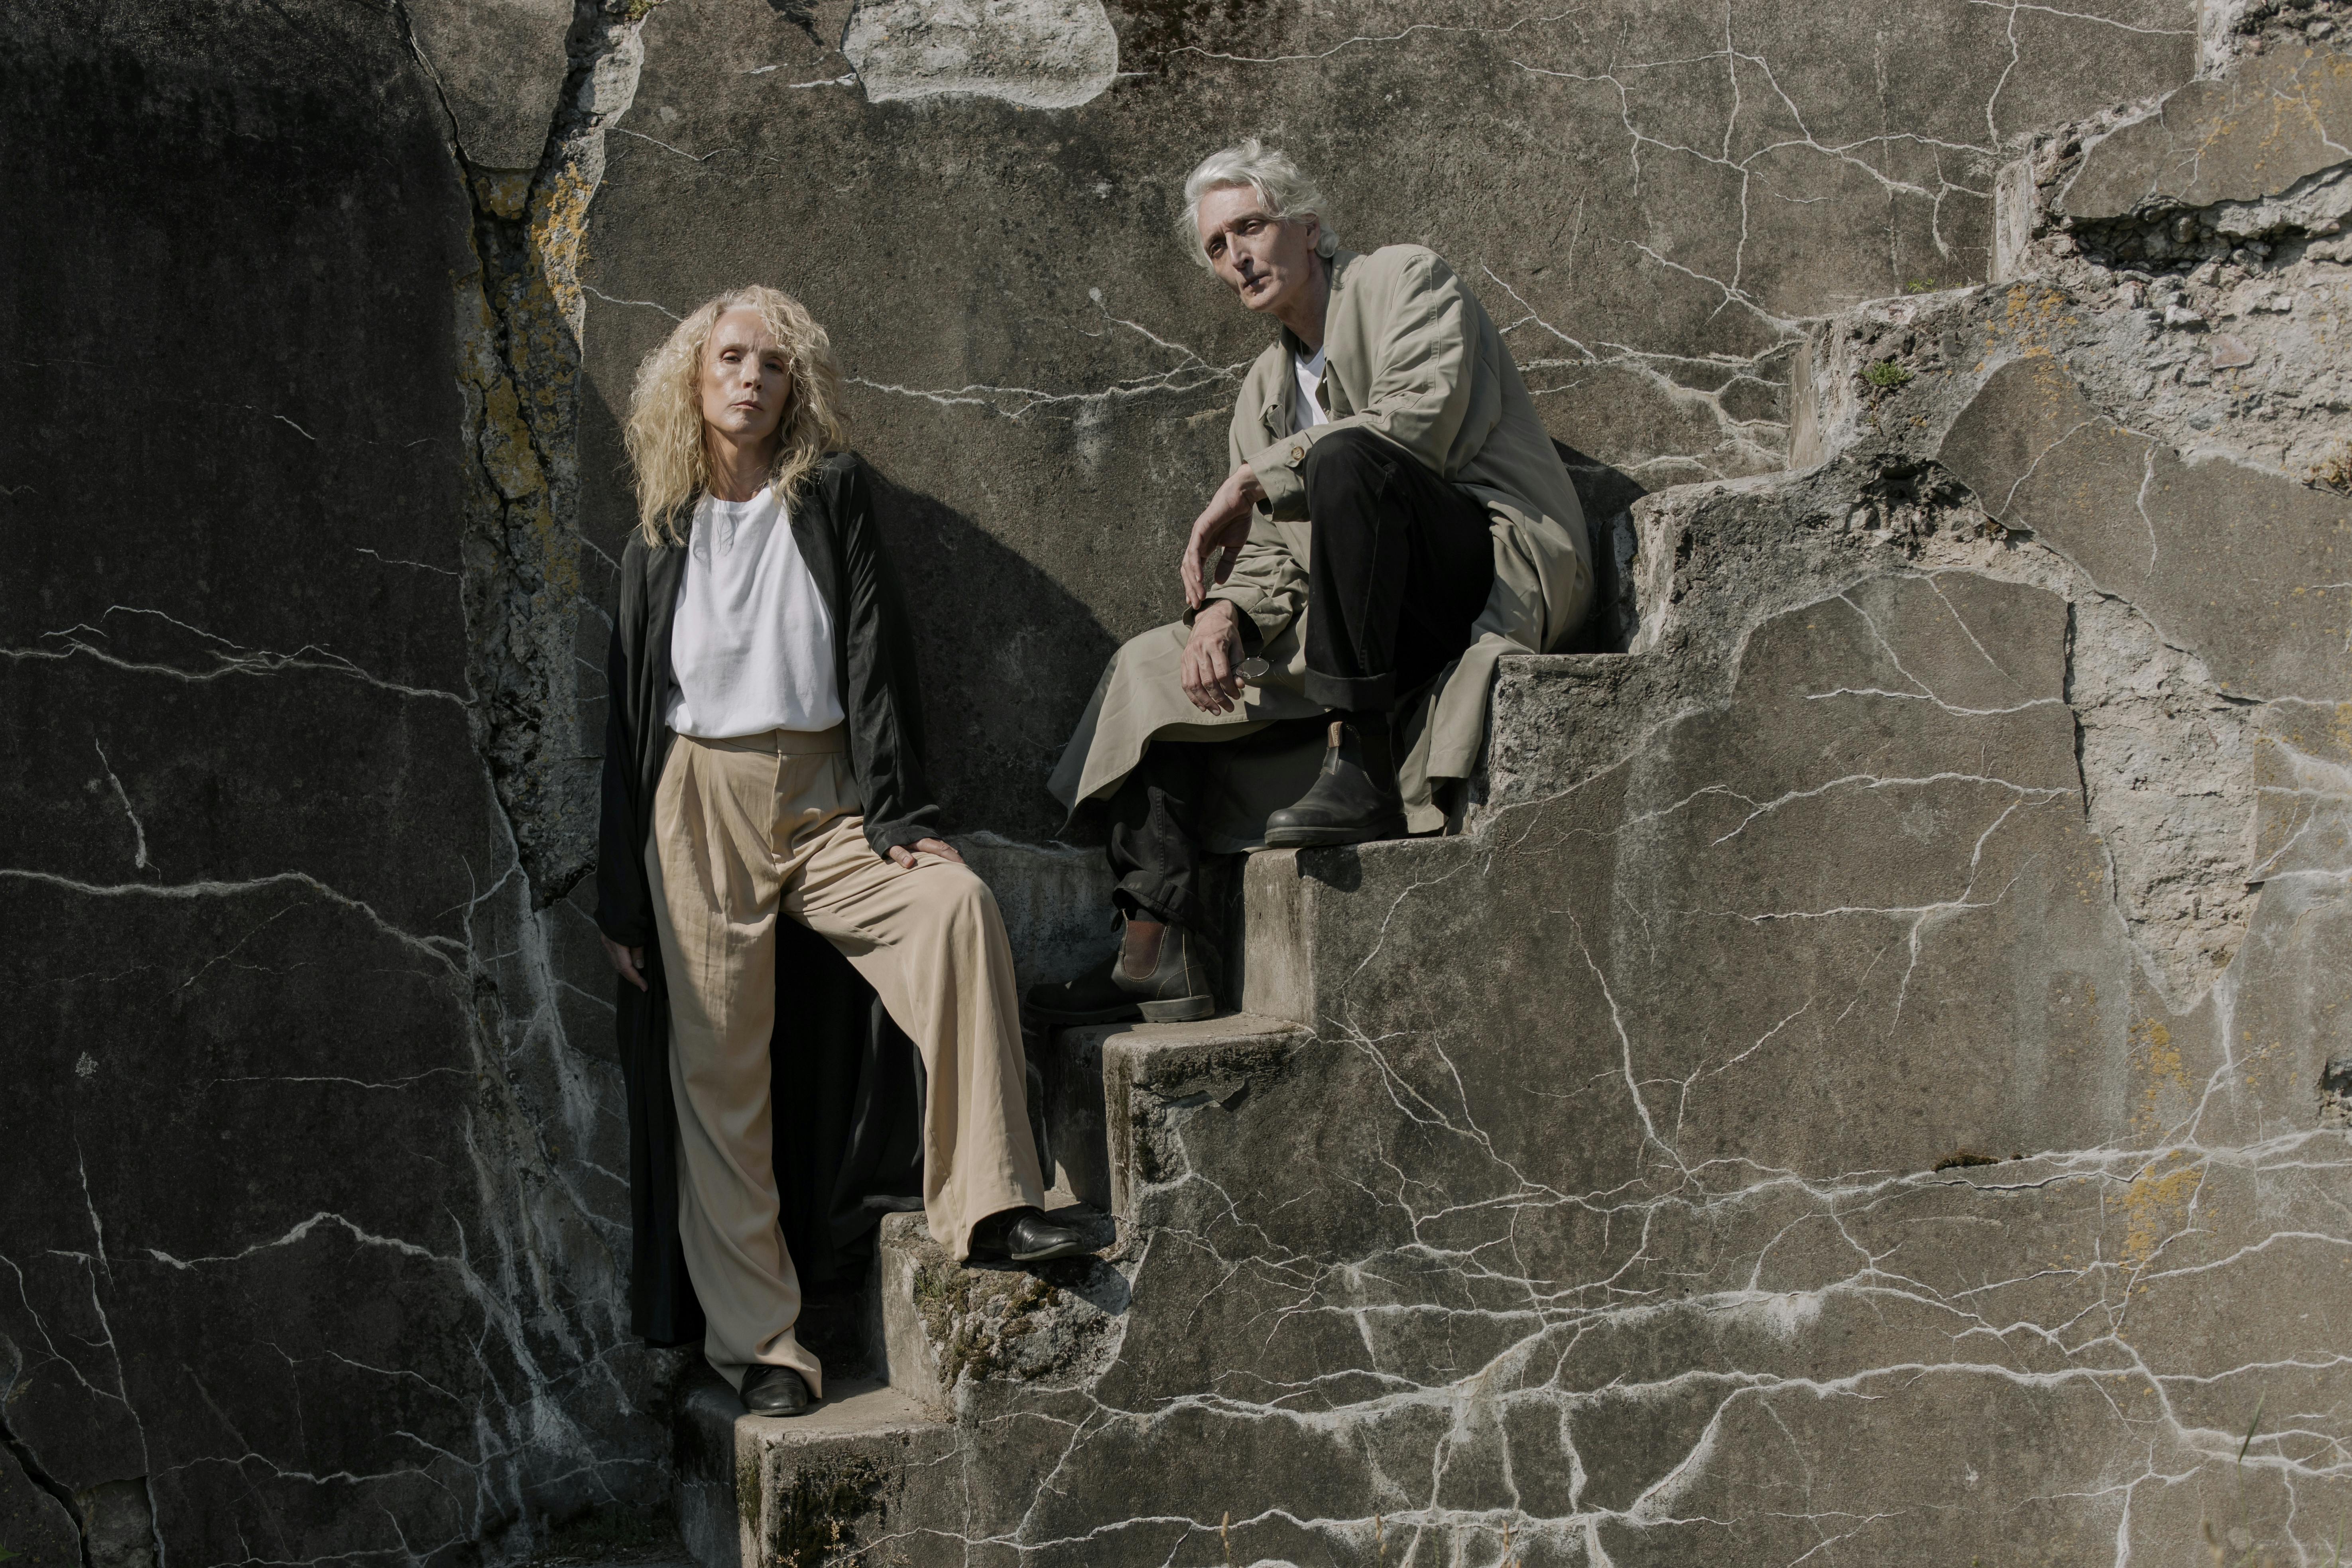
[1401,563]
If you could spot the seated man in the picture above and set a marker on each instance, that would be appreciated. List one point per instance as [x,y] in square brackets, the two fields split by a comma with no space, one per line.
[1396,518]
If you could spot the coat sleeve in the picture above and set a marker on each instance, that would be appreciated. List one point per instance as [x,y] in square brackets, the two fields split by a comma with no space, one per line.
[886,724]
[624,909]
[1425,371]
[1267,585]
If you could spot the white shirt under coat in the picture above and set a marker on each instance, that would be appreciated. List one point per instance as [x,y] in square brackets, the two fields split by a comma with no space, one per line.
[1306,408]
[750,647]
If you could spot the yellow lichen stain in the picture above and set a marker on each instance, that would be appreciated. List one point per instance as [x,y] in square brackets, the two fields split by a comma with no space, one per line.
[559,234]
[2156,1206]
[2153,1055]
[503,196]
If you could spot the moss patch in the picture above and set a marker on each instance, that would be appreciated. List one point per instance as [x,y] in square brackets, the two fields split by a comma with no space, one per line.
[817,1520]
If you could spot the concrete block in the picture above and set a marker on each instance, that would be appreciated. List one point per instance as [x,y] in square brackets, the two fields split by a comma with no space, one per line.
[759,1492]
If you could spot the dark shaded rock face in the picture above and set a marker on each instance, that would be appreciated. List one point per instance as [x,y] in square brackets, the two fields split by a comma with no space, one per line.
[308,1219]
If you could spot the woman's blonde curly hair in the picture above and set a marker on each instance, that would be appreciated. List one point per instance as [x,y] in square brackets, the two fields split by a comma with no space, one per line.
[667,451]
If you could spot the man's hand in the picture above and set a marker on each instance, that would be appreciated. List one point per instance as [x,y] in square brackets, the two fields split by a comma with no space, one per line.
[628,961]
[1212,659]
[1222,528]
[939,847]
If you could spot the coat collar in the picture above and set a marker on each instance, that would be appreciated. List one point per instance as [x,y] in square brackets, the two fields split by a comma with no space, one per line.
[1341,261]
[1280,409]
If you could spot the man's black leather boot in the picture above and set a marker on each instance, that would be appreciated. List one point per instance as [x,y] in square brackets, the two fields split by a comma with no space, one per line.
[774,1390]
[1354,799]
[1162,973]
[1024,1235]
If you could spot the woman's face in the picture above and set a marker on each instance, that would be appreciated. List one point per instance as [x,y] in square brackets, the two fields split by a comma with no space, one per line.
[747,378]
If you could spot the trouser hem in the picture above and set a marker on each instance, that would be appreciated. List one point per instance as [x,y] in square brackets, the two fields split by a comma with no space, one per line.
[1352,693]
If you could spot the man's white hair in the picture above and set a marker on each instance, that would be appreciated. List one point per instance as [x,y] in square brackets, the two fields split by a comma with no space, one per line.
[1286,193]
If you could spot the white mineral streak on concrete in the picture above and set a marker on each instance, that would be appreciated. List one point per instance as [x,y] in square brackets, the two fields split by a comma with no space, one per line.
[212,659]
[1040,54]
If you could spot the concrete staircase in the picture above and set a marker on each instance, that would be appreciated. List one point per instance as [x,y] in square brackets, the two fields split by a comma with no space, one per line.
[1865,1085]
[1114,1099]
[858,1473]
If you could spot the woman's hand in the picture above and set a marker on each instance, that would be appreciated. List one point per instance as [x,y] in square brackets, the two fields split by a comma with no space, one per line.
[628,961]
[939,847]
[1222,528]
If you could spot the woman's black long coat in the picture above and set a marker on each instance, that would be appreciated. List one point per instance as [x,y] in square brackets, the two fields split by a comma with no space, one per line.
[846,1083]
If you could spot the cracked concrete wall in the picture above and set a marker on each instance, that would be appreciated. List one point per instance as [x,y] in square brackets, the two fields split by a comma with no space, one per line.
[322,1219]
[316,1182]
[1869,1087]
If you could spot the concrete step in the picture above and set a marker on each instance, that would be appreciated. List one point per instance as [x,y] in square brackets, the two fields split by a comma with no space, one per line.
[759,1492]
[1091,1075]
[941,1320]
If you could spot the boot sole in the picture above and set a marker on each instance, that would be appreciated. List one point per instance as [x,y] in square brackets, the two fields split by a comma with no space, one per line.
[1181,1010]
[1047,1254]
[1332,837]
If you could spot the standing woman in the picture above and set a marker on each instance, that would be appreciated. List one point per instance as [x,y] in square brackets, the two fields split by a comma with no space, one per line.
[762,757]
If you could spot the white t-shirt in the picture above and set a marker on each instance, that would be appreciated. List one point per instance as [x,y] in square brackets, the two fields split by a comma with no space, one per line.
[1306,408]
[751,646]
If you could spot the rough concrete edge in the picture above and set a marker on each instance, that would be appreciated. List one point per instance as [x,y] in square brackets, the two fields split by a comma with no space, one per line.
[518,320]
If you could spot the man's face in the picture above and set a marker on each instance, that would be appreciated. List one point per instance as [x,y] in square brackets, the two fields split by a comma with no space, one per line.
[747,378]
[1266,261]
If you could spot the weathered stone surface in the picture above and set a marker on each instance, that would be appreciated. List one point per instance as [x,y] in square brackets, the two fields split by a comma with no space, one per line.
[312,1204]
[2240,138]
[1675,1149]
[35,1525]
[1041,54]
[944,1324]
[2240,567]
[500,66]
[800,1493]
[2162,682]
[1897,996]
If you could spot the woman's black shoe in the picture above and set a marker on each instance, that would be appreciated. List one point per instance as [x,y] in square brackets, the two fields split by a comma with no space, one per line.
[774,1390]
[1024,1235]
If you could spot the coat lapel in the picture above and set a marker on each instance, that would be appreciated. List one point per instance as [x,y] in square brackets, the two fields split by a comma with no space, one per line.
[1275,421]
[665,563]
[811,515]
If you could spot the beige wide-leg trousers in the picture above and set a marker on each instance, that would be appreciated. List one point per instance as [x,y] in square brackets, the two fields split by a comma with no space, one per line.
[743,829]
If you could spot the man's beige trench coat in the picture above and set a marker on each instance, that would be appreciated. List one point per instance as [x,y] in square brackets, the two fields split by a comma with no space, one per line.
[1414,359]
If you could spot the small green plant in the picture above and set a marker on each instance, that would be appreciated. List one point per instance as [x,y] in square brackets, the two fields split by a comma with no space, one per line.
[1920,286]
[1887,374]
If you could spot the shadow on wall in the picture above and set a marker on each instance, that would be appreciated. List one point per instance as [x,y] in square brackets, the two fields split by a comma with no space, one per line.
[1607,495]
[1007,659]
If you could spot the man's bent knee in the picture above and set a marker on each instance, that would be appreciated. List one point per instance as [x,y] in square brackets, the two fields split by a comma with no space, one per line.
[1347,455]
